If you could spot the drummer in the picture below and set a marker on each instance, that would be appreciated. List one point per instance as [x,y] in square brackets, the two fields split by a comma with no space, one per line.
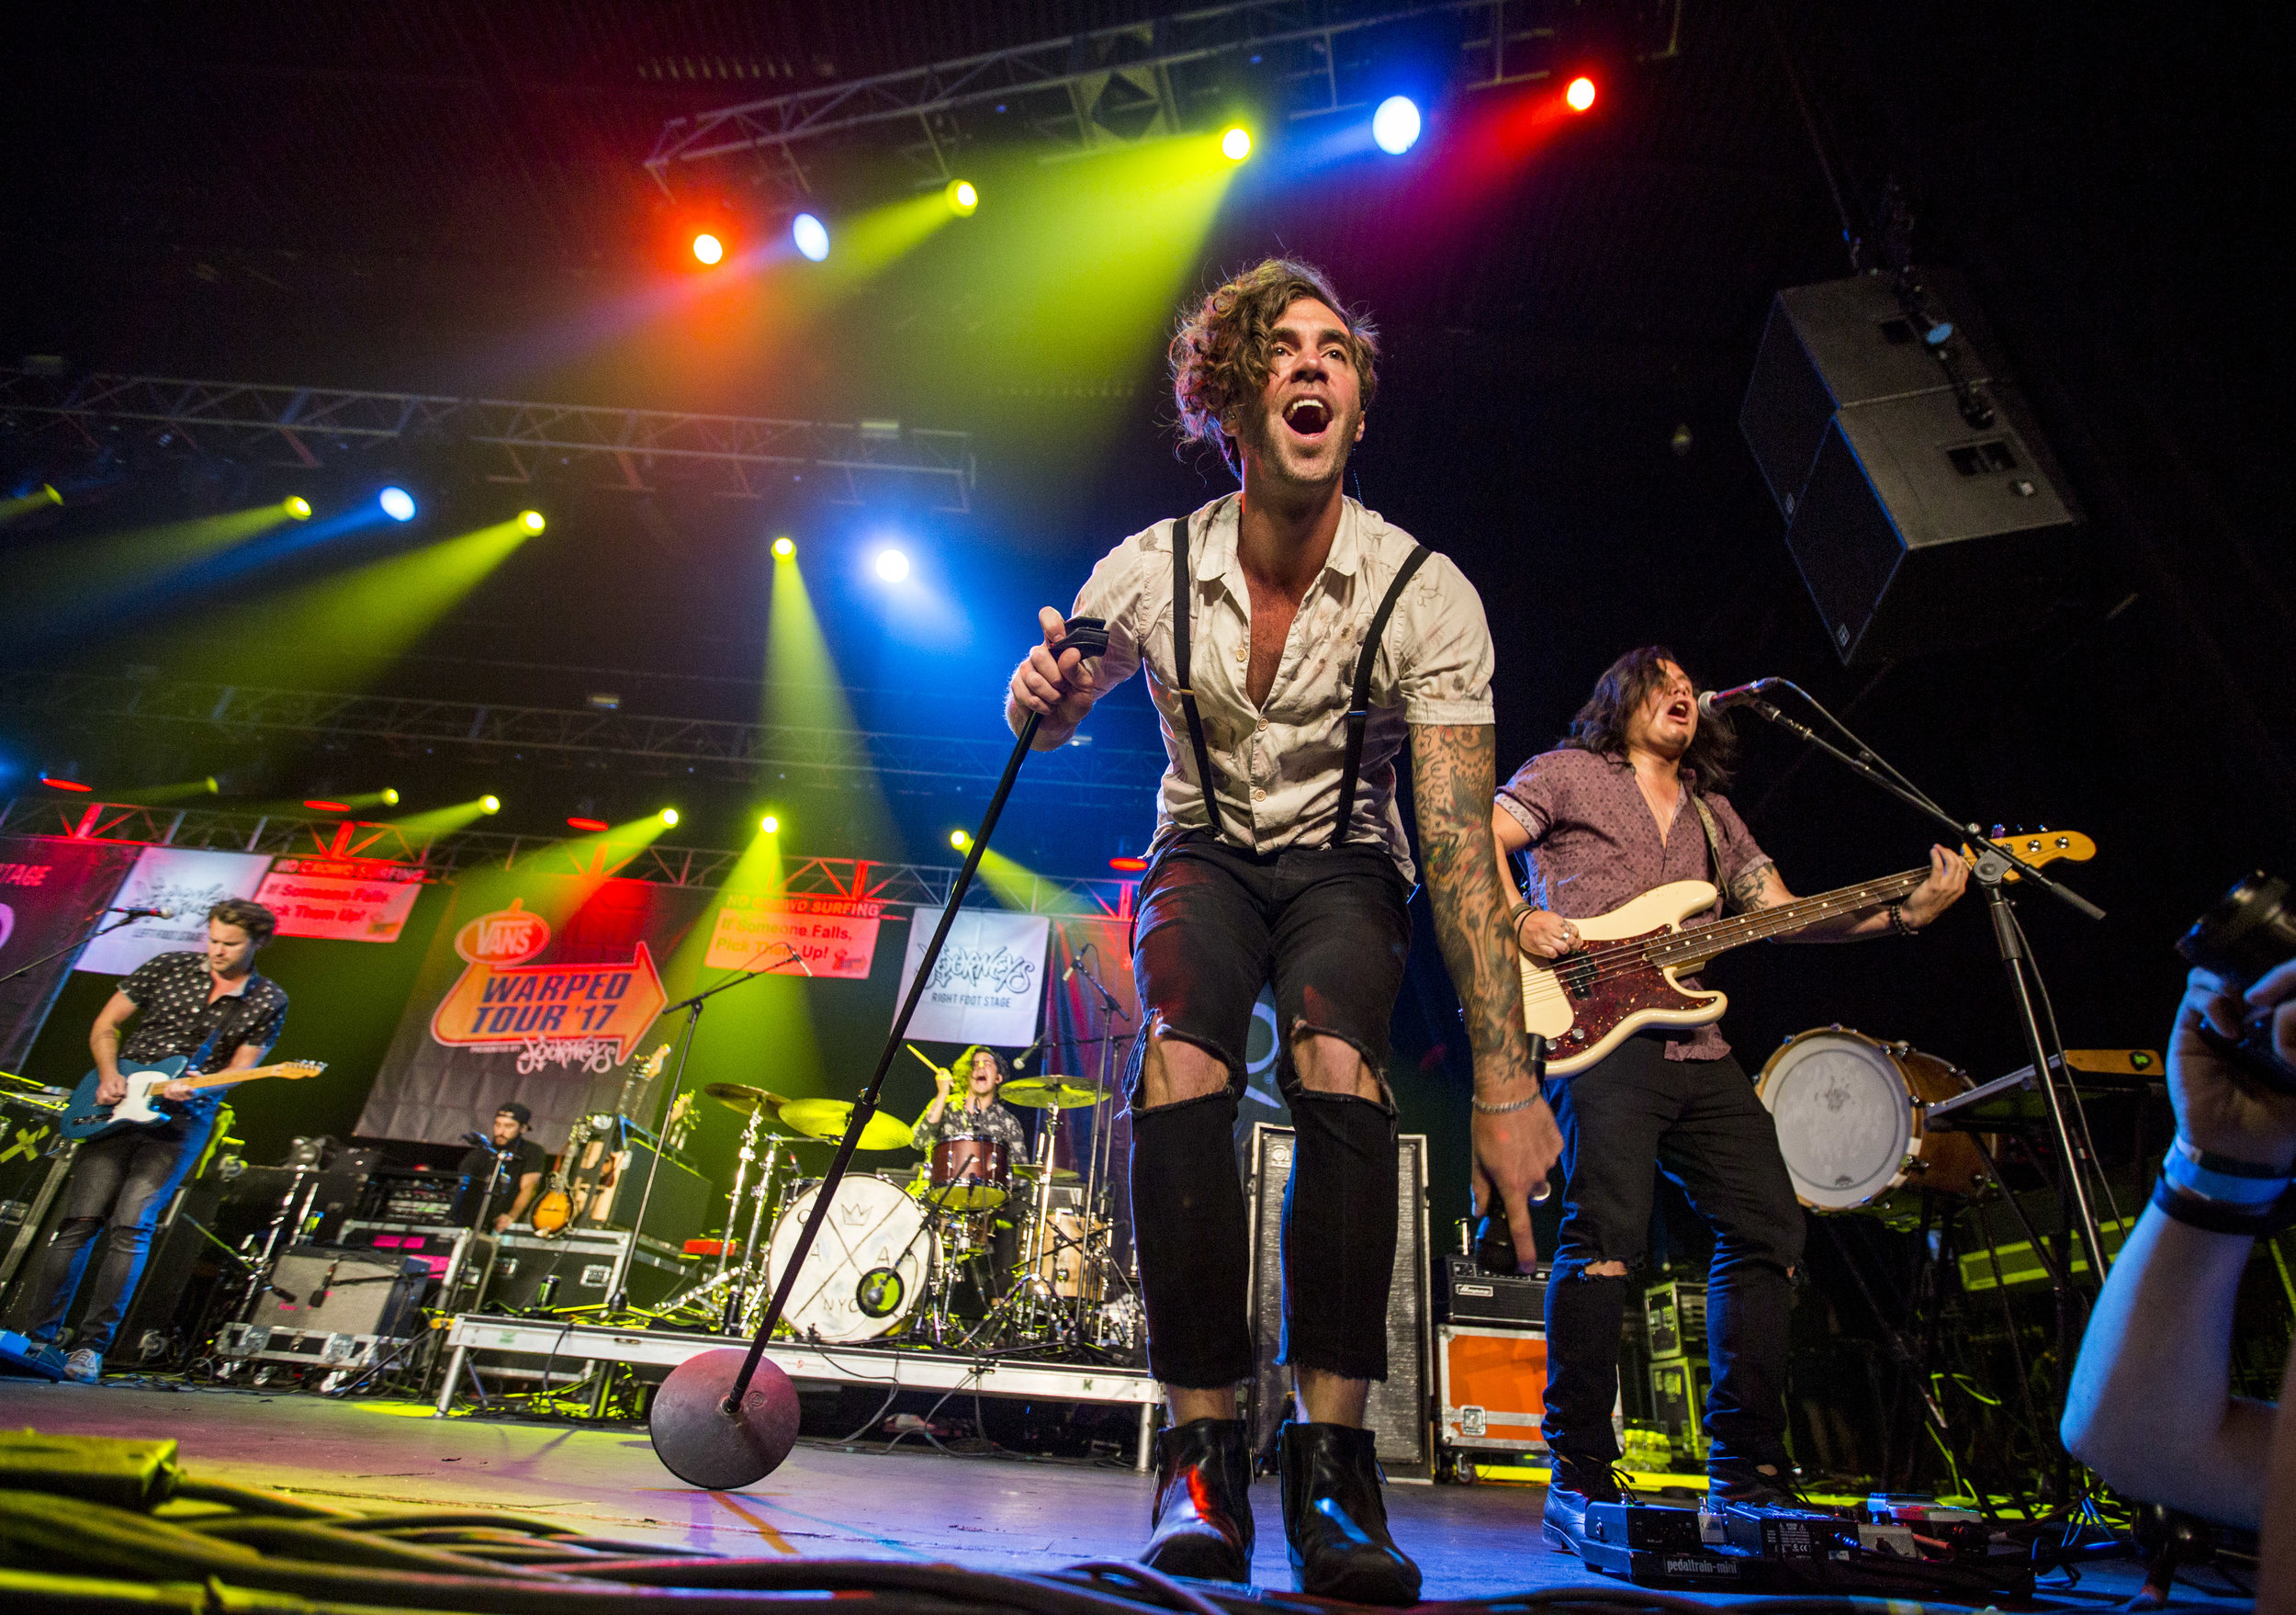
[981,1114]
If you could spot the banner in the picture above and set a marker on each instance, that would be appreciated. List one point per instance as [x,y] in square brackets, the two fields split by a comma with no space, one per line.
[341,900]
[538,987]
[988,982]
[835,936]
[52,892]
[184,880]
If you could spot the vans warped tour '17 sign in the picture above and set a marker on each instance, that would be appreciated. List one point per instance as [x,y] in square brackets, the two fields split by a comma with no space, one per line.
[538,987]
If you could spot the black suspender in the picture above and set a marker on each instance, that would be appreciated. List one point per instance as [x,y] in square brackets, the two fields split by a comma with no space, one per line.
[1358,708]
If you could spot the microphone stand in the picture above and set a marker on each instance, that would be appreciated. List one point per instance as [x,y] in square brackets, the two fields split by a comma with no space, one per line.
[618,1299]
[70,947]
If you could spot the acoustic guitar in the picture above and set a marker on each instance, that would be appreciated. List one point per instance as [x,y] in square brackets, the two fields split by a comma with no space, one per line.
[85,1119]
[555,1207]
[1623,974]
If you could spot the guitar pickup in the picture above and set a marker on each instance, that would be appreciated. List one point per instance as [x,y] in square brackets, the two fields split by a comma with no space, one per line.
[1576,972]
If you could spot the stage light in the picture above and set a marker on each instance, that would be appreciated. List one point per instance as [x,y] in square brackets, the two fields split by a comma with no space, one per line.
[58,782]
[1580,95]
[811,235]
[532,520]
[1128,865]
[962,197]
[390,796]
[1236,144]
[708,248]
[771,825]
[668,817]
[960,840]
[490,804]
[398,505]
[215,787]
[1395,126]
[595,826]
[297,506]
[317,806]
[784,548]
[892,565]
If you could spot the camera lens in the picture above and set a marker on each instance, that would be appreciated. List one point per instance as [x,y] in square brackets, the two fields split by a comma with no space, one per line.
[2251,930]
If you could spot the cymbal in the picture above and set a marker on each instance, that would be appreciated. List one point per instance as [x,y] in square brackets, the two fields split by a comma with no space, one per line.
[829,1118]
[1031,1170]
[741,1097]
[1051,1093]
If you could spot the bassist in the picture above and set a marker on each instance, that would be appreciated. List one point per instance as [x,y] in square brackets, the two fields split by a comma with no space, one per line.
[1630,801]
[211,1006]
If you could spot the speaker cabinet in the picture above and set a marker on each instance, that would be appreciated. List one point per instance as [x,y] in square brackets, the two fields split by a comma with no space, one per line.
[1923,515]
[1399,1411]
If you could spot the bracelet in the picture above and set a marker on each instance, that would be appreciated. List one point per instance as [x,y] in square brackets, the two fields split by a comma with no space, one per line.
[2220,1178]
[1481,1108]
[2215,1216]
[1897,921]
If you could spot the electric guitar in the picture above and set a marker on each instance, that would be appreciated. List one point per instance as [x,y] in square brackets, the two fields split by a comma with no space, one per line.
[1623,974]
[85,1119]
[555,1207]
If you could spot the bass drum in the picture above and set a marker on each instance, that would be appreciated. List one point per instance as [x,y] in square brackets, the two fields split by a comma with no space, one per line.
[1850,1110]
[866,1271]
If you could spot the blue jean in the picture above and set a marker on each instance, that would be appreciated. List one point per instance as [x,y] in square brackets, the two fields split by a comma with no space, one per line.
[1706,1128]
[120,1186]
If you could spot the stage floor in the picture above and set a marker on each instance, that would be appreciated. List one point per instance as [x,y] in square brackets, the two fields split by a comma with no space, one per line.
[910,1503]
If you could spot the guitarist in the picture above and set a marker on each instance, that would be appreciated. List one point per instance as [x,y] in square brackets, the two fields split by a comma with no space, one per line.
[1631,800]
[211,1005]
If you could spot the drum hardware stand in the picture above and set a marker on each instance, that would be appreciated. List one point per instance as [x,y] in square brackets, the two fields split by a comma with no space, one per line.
[706,1427]
[618,1295]
[1097,1181]
[1992,868]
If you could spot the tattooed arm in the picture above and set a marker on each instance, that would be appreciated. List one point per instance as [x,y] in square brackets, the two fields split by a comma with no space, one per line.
[1453,780]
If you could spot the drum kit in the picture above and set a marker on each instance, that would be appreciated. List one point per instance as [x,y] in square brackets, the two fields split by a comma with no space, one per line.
[974,1249]
[1851,1112]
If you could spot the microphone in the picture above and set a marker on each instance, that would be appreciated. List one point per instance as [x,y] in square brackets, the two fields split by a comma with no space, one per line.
[480,1141]
[144,913]
[1717,701]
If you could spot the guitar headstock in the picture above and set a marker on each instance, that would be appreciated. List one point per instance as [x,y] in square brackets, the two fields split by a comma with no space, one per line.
[2041,846]
[296,1071]
[652,1067]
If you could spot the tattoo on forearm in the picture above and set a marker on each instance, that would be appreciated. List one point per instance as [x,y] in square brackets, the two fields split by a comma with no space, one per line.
[1452,781]
[1749,888]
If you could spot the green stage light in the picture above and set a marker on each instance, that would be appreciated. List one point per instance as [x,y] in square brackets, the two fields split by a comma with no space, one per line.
[962,197]
[784,548]
[439,821]
[390,796]
[490,804]
[668,817]
[1236,144]
[532,520]
[295,505]
[17,505]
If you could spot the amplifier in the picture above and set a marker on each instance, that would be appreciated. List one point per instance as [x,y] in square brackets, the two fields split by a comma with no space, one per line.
[455,1259]
[1491,1389]
[1398,1411]
[680,1205]
[317,1202]
[29,1177]
[576,1270]
[1674,1318]
[337,1290]
[1678,1399]
[1466,1294]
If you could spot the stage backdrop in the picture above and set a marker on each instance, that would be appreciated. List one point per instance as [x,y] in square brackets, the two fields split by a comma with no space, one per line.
[538,987]
[186,880]
[988,983]
[52,892]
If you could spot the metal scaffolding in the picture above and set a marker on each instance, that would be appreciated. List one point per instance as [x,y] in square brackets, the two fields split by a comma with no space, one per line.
[739,456]
[806,757]
[1144,81]
[440,857]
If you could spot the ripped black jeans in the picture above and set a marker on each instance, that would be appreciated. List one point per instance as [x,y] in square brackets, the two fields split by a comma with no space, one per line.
[1704,1124]
[1328,927]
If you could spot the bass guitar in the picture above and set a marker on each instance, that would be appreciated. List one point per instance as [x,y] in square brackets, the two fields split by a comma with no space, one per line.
[1623,975]
[85,1119]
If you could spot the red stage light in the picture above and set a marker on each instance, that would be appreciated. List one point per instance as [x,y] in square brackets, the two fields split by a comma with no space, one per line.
[318,806]
[595,826]
[1580,95]
[708,248]
[1128,865]
[55,784]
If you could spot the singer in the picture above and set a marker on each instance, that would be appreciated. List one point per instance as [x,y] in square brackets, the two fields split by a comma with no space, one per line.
[212,1006]
[1631,799]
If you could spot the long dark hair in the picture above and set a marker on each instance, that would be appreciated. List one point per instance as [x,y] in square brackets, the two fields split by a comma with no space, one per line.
[1601,724]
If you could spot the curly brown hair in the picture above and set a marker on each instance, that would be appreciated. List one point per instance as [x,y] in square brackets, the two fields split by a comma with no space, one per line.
[1218,355]
[1600,724]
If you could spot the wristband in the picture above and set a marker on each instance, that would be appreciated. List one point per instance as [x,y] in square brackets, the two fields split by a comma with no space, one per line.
[2228,1183]
[1897,921]
[2212,1216]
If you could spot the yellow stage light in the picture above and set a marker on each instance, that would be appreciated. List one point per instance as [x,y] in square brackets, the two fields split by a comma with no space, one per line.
[771,825]
[390,796]
[531,520]
[960,840]
[490,804]
[962,197]
[784,548]
[1236,144]
[670,817]
[295,505]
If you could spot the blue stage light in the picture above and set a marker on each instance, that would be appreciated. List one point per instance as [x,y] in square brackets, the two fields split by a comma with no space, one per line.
[811,235]
[1395,126]
[892,565]
[398,505]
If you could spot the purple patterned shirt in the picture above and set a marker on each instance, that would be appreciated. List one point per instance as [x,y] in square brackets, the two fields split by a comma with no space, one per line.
[1596,846]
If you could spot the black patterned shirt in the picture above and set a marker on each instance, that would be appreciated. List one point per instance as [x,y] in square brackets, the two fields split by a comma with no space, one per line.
[170,992]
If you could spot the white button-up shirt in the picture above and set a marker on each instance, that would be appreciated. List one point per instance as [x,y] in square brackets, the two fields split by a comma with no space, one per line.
[1279,764]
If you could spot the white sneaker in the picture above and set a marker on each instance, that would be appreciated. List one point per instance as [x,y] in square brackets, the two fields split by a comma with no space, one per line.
[85,1367]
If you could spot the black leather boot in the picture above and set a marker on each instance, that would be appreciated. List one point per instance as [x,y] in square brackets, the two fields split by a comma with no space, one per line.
[1202,1518]
[1334,1522]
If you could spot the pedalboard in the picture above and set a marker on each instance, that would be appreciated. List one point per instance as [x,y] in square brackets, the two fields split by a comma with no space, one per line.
[1757,1548]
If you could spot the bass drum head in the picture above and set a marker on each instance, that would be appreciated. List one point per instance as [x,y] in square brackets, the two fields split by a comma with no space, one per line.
[1845,1121]
[866,1271]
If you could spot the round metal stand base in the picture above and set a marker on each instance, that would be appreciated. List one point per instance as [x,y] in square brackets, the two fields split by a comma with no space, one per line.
[705,1445]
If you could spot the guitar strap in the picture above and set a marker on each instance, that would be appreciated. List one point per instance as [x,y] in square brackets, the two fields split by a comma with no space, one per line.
[1714,846]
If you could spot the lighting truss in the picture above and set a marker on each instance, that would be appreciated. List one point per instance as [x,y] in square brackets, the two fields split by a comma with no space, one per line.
[1119,85]
[441,856]
[411,724]
[739,456]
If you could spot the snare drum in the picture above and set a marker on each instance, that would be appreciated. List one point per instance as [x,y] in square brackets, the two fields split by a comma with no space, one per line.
[1849,1113]
[971,1174]
[866,1271]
